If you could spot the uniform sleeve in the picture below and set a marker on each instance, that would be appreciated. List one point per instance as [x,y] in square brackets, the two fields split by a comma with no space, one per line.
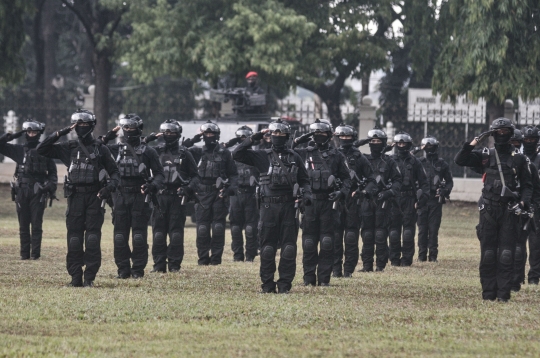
[13,151]
[232,171]
[52,172]
[302,176]
[447,176]
[395,176]
[110,166]
[114,149]
[525,180]
[155,166]
[466,157]
[256,158]
[49,149]
[343,174]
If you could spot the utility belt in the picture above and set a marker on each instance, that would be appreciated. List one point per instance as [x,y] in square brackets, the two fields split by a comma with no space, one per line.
[319,196]
[245,190]
[85,188]
[407,193]
[169,191]
[278,199]
[130,189]
[490,202]
[203,188]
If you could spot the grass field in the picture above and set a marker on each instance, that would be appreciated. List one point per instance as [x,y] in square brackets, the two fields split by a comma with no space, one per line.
[424,310]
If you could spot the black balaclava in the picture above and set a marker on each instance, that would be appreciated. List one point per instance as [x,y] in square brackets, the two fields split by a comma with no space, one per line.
[171,140]
[83,131]
[279,142]
[321,140]
[431,150]
[32,141]
[502,138]
[210,142]
[133,137]
[530,148]
[377,149]
[346,143]
[404,151]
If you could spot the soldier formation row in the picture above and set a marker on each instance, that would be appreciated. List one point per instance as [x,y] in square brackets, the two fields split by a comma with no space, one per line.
[342,194]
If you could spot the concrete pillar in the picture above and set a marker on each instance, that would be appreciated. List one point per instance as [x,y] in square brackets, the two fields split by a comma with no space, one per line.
[367,121]
[509,111]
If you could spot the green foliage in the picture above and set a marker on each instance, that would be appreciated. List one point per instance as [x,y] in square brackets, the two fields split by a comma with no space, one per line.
[12,38]
[492,50]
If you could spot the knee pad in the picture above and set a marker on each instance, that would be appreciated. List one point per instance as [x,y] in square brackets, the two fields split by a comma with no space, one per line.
[289,252]
[236,230]
[249,230]
[394,237]
[218,229]
[75,244]
[119,240]
[380,237]
[309,245]
[368,235]
[159,238]
[489,257]
[350,238]
[138,240]
[268,253]
[407,236]
[326,243]
[506,257]
[202,231]
[176,239]
[92,241]
[519,254]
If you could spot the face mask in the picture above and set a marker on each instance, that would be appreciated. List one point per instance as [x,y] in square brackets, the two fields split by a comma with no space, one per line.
[33,139]
[279,141]
[83,131]
[430,150]
[376,147]
[502,138]
[132,134]
[209,140]
[169,139]
[346,143]
[405,149]
[320,139]
[530,147]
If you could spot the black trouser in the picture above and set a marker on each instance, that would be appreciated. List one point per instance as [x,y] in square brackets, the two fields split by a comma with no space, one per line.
[84,218]
[30,212]
[346,231]
[375,221]
[278,228]
[429,222]
[403,218]
[170,220]
[520,257]
[131,213]
[318,226]
[212,217]
[497,232]
[244,215]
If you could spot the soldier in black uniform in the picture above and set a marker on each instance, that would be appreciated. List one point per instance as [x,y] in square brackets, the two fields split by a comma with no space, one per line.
[266,142]
[349,212]
[376,214]
[531,135]
[214,162]
[526,228]
[318,222]
[35,179]
[141,176]
[429,216]
[503,169]
[181,181]
[85,188]
[243,211]
[280,168]
[409,198]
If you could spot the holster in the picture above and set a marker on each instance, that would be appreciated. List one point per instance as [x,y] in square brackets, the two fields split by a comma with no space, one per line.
[13,191]
[68,188]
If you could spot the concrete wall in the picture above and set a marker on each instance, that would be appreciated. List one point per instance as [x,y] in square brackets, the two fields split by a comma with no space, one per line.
[464,189]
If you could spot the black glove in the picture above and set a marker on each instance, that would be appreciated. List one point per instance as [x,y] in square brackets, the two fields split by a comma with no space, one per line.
[385,194]
[111,135]
[104,193]
[64,131]
[50,187]
[149,188]
[388,148]
[304,138]
[361,142]
[336,195]
[190,142]
[11,136]
[442,192]
[307,200]
[257,136]
[150,138]
[415,150]
[232,142]
[483,135]
[422,201]
[525,205]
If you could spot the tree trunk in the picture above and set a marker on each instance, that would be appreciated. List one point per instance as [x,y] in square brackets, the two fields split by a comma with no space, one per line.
[494,110]
[49,60]
[103,72]
[365,85]
[334,111]
[40,67]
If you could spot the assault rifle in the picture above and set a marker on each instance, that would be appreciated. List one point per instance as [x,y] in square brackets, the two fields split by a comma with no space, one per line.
[440,184]
[298,193]
[253,182]
[44,193]
[150,197]
[335,184]
[222,184]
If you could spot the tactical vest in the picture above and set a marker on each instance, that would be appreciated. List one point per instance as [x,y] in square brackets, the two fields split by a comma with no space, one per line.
[33,165]
[317,170]
[432,169]
[406,167]
[245,172]
[380,168]
[276,177]
[128,164]
[81,169]
[492,178]
[536,162]
[212,165]
[172,163]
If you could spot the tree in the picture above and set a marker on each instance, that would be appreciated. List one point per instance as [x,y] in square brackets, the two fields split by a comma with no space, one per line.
[101,20]
[12,38]
[492,50]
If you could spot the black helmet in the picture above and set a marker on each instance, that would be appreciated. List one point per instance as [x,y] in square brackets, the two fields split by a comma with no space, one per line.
[500,123]
[210,127]
[344,129]
[83,115]
[402,137]
[243,131]
[32,125]
[430,140]
[321,125]
[171,125]
[279,125]
[530,132]
[518,136]
[377,133]
[131,121]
